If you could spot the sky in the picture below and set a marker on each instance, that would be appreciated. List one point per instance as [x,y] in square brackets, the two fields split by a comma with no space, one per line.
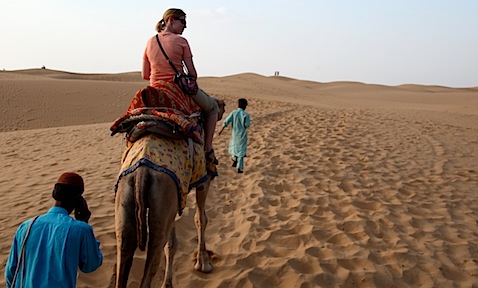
[388,42]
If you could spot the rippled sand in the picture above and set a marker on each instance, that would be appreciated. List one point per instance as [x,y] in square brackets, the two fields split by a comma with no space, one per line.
[345,184]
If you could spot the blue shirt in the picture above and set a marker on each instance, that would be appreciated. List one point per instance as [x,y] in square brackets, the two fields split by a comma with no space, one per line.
[57,246]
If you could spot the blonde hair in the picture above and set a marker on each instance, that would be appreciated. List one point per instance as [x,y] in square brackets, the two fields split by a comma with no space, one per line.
[172,12]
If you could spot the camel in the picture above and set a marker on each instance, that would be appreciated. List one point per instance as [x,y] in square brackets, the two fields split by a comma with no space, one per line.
[149,195]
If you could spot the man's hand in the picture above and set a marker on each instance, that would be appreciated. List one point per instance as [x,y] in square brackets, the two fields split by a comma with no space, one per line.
[222,129]
[81,211]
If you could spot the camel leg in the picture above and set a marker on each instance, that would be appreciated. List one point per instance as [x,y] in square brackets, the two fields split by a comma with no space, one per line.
[125,227]
[170,251]
[163,206]
[203,261]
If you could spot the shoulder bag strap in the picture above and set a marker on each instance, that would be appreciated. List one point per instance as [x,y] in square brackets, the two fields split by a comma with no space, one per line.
[167,58]
[22,252]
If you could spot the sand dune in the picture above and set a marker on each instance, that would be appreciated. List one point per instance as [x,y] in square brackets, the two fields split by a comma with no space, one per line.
[346,184]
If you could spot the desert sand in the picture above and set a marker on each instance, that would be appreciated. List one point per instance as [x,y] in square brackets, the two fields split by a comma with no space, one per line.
[346,184]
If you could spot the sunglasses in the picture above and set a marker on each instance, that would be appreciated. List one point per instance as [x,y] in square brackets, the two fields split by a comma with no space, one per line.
[183,21]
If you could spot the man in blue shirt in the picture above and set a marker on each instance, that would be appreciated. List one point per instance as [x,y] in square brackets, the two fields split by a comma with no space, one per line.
[240,121]
[48,250]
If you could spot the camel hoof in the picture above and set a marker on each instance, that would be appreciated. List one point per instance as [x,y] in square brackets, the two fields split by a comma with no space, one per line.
[203,261]
[204,268]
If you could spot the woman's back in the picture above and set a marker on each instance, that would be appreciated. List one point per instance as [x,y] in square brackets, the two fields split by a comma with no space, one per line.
[176,47]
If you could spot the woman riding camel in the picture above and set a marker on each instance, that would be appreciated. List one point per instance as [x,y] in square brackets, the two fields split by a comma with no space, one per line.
[157,68]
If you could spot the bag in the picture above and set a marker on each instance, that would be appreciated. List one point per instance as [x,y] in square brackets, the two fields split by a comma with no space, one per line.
[21,260]
[187,83]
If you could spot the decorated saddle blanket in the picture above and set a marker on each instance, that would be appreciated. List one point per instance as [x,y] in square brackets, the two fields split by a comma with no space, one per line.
[183,160]
[161,104]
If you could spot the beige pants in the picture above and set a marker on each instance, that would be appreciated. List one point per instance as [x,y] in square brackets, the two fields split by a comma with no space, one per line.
[207,103]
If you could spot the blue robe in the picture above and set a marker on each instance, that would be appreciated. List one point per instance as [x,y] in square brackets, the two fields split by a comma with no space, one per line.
[239,121]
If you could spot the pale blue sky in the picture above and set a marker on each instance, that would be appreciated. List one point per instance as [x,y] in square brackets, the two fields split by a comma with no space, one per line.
[431,42]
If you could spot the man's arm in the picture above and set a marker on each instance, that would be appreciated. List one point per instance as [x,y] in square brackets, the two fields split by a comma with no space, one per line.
[12,261]
[91,257]
[247,121]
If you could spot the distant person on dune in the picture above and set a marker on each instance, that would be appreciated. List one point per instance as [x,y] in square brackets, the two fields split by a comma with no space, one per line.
[156,68]
[239,120]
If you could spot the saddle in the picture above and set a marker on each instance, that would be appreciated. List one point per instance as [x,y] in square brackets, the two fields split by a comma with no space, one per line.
[162,110]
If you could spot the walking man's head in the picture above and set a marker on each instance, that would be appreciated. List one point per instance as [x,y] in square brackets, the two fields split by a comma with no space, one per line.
[242,103]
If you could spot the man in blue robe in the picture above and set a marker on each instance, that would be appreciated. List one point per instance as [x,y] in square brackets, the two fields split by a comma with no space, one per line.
[239,120]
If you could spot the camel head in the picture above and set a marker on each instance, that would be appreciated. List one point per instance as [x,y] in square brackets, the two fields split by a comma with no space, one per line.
[222,108]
